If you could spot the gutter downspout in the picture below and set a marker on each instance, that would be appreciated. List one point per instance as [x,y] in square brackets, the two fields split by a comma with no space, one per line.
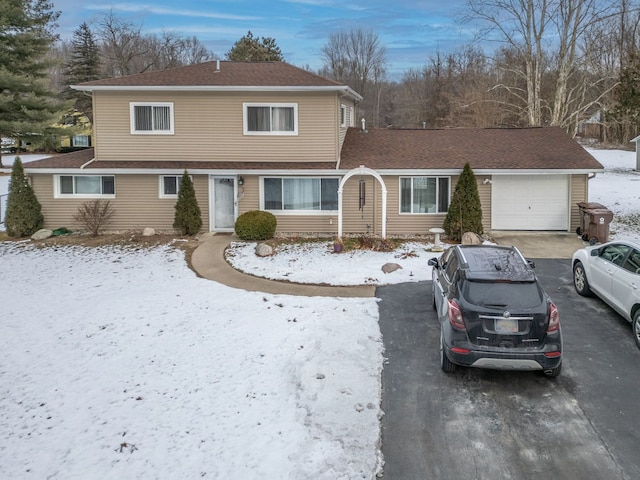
[85,165]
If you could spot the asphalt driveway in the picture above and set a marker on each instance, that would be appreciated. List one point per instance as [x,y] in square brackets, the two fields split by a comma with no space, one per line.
[482,424]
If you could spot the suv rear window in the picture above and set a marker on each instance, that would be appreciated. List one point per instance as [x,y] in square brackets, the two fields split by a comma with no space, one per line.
[503,294]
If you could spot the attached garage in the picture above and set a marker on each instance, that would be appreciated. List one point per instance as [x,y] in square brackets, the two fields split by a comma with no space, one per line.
[530,202]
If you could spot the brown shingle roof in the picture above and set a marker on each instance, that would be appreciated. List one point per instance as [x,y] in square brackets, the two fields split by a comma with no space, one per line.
[548,148]
[231,74]
[65,160]
[507,148]
[77,159]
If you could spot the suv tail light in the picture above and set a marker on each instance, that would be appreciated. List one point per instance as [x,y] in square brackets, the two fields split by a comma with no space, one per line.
[554,318]
[455,315]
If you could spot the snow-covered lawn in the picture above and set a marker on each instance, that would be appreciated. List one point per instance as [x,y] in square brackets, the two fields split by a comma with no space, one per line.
[618,188]
[315,262]
[121,363]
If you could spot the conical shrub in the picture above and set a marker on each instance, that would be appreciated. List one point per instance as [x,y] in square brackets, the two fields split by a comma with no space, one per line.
[24,212]
[465,210]
[188,218]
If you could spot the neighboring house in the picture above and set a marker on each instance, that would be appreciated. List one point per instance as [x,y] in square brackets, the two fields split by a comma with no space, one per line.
[275,137]
[79,128]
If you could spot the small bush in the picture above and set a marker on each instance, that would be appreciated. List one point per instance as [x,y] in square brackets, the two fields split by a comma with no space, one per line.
[94,216]
[256,225]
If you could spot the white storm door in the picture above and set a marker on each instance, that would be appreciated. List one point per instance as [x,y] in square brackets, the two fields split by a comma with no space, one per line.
[223,203]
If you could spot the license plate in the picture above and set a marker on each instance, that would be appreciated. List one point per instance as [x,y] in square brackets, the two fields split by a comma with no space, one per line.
[506,325]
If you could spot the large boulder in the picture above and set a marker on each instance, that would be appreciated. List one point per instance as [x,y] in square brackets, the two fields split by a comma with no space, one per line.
[148,232]
[264,250]
[42,234]
[470,238]
[390,267]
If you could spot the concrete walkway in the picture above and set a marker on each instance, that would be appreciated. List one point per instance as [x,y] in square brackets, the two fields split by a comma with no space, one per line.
[209,262]
[540,244]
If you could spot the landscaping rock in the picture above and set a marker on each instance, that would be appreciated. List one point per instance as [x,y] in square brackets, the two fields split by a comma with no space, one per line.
[148,232]
[470,238]
[42,234]
[390,267]
[264,250]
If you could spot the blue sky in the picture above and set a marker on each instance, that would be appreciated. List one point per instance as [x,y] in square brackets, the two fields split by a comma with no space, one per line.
[411,30]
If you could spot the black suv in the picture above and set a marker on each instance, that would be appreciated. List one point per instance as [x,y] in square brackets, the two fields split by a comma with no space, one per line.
[493,312]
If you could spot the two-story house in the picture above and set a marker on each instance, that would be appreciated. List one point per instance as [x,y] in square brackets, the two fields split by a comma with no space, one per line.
[274,137]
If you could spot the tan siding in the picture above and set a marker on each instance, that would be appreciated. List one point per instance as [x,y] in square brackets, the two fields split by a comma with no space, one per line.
[305,224]
[356,221]
[484,191]
[349,120]
[579,193]
[209,126]
[365,221]
[408,224]
[248,194]
[287,224]
[136,205]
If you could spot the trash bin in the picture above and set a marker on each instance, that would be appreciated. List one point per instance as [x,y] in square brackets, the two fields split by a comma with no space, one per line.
[594,222]
[585,216]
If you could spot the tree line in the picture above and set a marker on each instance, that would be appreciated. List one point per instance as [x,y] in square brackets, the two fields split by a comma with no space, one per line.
[554,62]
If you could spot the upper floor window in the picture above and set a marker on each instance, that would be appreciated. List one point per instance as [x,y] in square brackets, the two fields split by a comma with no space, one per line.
[152,118]
[85,186]
[343,115]
[270,119]
[300,194]
[424,194]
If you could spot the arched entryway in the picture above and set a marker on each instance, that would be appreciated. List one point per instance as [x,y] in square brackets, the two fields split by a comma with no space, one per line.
[362,170]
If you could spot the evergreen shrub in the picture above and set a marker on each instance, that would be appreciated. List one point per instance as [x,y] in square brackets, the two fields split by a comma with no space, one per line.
[24,212]
[465,210]
[256,225]
[188,218]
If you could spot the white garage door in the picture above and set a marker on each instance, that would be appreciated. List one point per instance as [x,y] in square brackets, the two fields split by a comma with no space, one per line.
[530,202]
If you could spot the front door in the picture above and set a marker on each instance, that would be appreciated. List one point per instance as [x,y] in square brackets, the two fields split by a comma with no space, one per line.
[223,203]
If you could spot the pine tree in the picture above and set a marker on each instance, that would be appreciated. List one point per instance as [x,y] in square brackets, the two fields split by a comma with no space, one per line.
[24,213]
[27,107]
[188,219]
[83,66]
[249,49]
[465,211]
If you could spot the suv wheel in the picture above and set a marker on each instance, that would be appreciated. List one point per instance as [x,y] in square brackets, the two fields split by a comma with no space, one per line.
[445,363]
[580,281]
[636,328]
[554,372]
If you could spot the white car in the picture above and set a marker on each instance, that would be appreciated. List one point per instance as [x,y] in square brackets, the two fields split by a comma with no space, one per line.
[611,271]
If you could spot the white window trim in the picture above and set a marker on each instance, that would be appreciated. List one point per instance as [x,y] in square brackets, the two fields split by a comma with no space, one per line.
[85,140]
[161,178]
[58,194]
[295,212]
[245,118]
[437,177]
[351,116]
[343,115]
[132,106]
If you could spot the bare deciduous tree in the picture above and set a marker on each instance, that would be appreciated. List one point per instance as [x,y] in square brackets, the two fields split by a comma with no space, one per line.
[126,50]
[357,59]
[547,37]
